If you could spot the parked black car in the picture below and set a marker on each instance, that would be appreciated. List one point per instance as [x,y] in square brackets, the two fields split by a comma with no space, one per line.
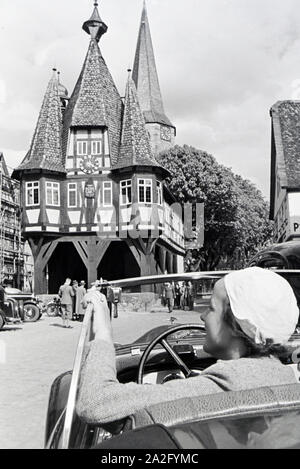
[279,256]
[285,256]
[20,306]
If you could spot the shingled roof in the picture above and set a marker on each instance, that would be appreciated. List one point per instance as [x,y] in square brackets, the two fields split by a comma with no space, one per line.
[145,76]
[45,152]
[135,141]
[95,101]
[285,145]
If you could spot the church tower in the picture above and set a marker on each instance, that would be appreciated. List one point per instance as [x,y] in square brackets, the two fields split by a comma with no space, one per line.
[162,132]
[93,195]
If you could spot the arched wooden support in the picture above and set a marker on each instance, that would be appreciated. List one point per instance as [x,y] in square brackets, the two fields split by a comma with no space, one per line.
[135,251]
[162,259]
[42,251]
[145,248]
[90,249]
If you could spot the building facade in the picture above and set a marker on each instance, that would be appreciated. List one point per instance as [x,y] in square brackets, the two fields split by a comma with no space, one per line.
[285,170]
[14,259]
[93,195]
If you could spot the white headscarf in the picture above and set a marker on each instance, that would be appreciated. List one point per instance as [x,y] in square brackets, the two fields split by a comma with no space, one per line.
[263,304]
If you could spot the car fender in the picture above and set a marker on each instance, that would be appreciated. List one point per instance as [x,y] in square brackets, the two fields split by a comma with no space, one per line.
[57,402]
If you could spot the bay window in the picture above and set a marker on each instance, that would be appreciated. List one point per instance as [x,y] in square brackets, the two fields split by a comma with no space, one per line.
[145,191]
[72,195]
[107,194]
[126,192]
[32,193]
[159,192]
[52,194]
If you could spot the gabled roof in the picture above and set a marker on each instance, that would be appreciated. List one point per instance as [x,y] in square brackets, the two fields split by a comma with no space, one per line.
[95,101]
[145,76]
[3,165]
[135,141]
[45,152]
[285,146]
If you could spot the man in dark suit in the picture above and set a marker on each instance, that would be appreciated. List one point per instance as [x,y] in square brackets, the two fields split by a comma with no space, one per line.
[66,294]
[169,295]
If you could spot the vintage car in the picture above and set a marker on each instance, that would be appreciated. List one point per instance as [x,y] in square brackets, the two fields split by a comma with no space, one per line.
[279,256]
[285,256]
[20,306]
[171,350]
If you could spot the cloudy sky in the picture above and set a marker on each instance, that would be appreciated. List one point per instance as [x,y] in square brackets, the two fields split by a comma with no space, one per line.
[222,64]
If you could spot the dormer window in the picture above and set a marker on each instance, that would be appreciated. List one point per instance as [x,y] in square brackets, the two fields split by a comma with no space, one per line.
[82,147]
[96,147]
[91,145]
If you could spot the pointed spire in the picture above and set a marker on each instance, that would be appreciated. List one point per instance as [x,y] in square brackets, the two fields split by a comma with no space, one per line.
[95,101]
[95,27]
[135,142]
[45,151]
[145,75]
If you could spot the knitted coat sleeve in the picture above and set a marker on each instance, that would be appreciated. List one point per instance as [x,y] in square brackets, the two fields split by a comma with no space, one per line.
[102,399]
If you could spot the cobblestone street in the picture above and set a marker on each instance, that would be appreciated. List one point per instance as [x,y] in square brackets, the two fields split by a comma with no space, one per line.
[35,354]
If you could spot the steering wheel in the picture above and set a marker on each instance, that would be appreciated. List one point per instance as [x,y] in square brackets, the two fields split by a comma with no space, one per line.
[162,340]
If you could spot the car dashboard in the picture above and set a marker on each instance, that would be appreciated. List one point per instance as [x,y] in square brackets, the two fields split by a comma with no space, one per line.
[160,367]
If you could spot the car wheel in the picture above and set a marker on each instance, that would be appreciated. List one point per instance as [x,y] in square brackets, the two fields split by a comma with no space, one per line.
[51,310]
[2,322]
[31,312]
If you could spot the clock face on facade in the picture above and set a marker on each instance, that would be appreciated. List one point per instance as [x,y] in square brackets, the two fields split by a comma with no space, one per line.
[89,164]
[165,133]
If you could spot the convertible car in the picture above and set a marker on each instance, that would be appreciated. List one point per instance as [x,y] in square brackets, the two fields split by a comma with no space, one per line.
[171,347]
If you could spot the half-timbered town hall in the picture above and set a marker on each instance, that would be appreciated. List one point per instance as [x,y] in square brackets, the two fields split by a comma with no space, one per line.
[93,195]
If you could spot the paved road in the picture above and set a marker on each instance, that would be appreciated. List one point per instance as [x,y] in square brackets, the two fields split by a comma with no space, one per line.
[33,355]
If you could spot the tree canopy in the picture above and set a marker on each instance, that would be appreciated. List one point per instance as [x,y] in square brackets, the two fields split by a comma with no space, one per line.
[236,214]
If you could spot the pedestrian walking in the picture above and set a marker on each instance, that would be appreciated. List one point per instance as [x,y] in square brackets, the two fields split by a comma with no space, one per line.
[183,292]
[74,303]
[190,296]
[177,295]
[169,295]
[66,293]
[80,292]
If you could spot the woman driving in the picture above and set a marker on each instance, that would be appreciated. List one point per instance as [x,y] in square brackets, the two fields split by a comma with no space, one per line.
[252,314]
